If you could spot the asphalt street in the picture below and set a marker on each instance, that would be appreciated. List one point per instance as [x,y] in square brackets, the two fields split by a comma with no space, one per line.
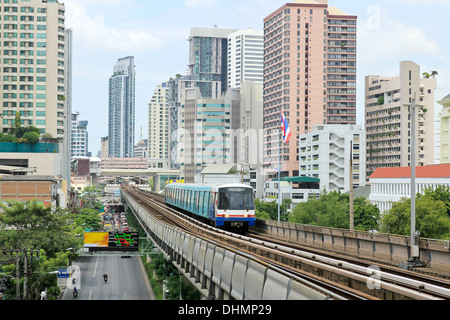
[126,279]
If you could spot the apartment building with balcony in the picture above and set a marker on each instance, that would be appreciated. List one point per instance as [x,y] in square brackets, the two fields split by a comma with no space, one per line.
[32,65]
[310,75]
[80,137]
[325,154]
[445,130]
[158,127]
[388,118]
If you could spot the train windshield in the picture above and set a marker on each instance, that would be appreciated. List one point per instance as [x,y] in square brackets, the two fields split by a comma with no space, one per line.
[236,199]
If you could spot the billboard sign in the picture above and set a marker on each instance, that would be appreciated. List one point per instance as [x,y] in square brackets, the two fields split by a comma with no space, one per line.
[112,241]
[96,239]
[124,240]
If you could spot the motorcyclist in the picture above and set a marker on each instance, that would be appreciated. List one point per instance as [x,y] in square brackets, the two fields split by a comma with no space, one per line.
[75,292]
[105,277]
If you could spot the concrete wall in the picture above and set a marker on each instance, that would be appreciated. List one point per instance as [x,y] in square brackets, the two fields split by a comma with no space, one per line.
[389,248]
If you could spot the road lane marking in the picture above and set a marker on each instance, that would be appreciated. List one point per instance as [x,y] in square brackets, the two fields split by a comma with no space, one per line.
[95,269]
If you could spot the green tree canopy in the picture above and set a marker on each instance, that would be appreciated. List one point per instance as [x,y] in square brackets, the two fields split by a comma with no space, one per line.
[31,225]
[432,219]
[269,210]
[332,210]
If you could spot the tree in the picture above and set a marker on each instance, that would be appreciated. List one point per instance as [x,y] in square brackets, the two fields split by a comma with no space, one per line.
[8,138]
[432,219]
[331,209]
[441,193]
[88,219]
[21,131]
[31,137]
[33,226]
[367,215]
[269,210]
[428,75]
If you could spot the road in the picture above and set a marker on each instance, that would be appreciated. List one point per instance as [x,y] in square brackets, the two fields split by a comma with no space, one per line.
[126,279]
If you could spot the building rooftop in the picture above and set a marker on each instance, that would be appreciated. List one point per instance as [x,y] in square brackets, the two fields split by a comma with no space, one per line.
[218,168]
[333,11]
[434,171]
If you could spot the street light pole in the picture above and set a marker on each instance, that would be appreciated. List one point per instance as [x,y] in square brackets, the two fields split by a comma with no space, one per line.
[414,255]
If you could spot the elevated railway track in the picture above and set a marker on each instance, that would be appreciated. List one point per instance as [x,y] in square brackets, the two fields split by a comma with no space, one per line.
[337,277]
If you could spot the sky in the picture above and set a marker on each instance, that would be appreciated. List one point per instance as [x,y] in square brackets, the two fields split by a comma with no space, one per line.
[156,33]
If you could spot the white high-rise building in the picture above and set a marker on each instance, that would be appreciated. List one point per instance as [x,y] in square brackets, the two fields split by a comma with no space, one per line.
[79,137]
[245,57]
[388,118]
[325,155]
[158,127]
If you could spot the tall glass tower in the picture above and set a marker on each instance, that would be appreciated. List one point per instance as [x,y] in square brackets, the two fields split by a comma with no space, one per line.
[122,109]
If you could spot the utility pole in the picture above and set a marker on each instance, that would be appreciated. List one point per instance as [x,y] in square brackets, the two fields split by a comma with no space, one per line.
[414,254]
[352,213]
[413,261]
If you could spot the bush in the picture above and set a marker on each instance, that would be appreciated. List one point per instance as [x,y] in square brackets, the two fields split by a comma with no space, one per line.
[7,138]
[31,137]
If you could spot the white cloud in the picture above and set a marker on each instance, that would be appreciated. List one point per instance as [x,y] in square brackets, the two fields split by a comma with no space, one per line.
[94,33]
[393,40]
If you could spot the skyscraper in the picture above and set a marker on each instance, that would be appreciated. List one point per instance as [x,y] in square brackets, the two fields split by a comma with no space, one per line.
[245,57]
[122,111]
[310,75]
[158,127]
[32,65]
[208,57]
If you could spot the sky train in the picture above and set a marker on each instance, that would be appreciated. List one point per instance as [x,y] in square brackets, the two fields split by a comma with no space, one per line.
[227,205]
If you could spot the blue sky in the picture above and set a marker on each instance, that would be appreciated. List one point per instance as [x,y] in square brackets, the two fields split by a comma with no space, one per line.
[156,33]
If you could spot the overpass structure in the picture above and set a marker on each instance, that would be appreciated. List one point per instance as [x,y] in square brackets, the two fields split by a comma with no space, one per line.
[160,176]
[219,272]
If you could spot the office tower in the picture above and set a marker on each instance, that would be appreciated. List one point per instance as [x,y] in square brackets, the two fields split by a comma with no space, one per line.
[208,57]
[80,141]
[122,111]
[310,75]
[245,57]
[208,129]
[158,127]
[325,155]
[387,118]
[32,65]
[445,130]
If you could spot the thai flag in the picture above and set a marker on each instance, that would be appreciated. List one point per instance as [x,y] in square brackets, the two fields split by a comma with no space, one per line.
[287,134]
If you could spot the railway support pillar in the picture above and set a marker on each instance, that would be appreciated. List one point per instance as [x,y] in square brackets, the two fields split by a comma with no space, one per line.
[157,183]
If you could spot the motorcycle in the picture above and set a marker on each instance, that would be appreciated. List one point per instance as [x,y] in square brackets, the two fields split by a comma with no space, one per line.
[75,294]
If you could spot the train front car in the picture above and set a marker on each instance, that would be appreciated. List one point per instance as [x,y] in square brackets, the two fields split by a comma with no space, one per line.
[235,206]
